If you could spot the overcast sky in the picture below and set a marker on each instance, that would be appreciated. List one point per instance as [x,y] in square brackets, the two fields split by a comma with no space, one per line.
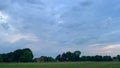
[50,27]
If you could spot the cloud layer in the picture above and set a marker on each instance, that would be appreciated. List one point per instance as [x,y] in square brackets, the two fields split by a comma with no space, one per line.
[60,25]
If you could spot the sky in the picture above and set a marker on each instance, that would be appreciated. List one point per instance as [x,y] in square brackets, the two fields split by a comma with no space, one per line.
[51,27]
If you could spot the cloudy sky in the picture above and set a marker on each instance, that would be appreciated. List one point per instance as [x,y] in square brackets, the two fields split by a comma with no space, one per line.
[50,27]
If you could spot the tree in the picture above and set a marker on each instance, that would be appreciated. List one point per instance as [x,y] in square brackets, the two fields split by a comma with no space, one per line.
[84,58]
[50,59]
[1,58]
[69,56]
[98,58]
[43,59]
[27,55]
[17,55]
[76,55]
[107,58]
[20,55]
[46,59]
[58,58]
[118,57]
[9,57]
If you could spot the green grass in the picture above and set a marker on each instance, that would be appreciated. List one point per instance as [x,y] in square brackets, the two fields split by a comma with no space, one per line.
[62,65]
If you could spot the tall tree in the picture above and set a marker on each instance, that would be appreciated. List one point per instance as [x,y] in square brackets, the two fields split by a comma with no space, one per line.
[27,55]
[58,58]
[76,55]
[118,57]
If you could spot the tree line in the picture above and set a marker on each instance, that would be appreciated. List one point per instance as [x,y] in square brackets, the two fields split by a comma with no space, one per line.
[26,55]
[75,57]
[20,55]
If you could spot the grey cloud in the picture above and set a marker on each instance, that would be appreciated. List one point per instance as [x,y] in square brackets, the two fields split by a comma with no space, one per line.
[28,1]
[82,23]
[81,6]
[35,2]
[5,26]
[86,3]
[4,4]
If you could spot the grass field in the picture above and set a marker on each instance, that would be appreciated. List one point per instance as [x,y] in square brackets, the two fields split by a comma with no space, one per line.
[62,65]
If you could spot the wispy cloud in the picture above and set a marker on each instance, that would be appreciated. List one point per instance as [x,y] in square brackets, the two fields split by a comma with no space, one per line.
[18,37]
[3,17]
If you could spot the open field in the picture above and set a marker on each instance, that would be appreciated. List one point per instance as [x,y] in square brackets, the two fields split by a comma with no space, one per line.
[62,65]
